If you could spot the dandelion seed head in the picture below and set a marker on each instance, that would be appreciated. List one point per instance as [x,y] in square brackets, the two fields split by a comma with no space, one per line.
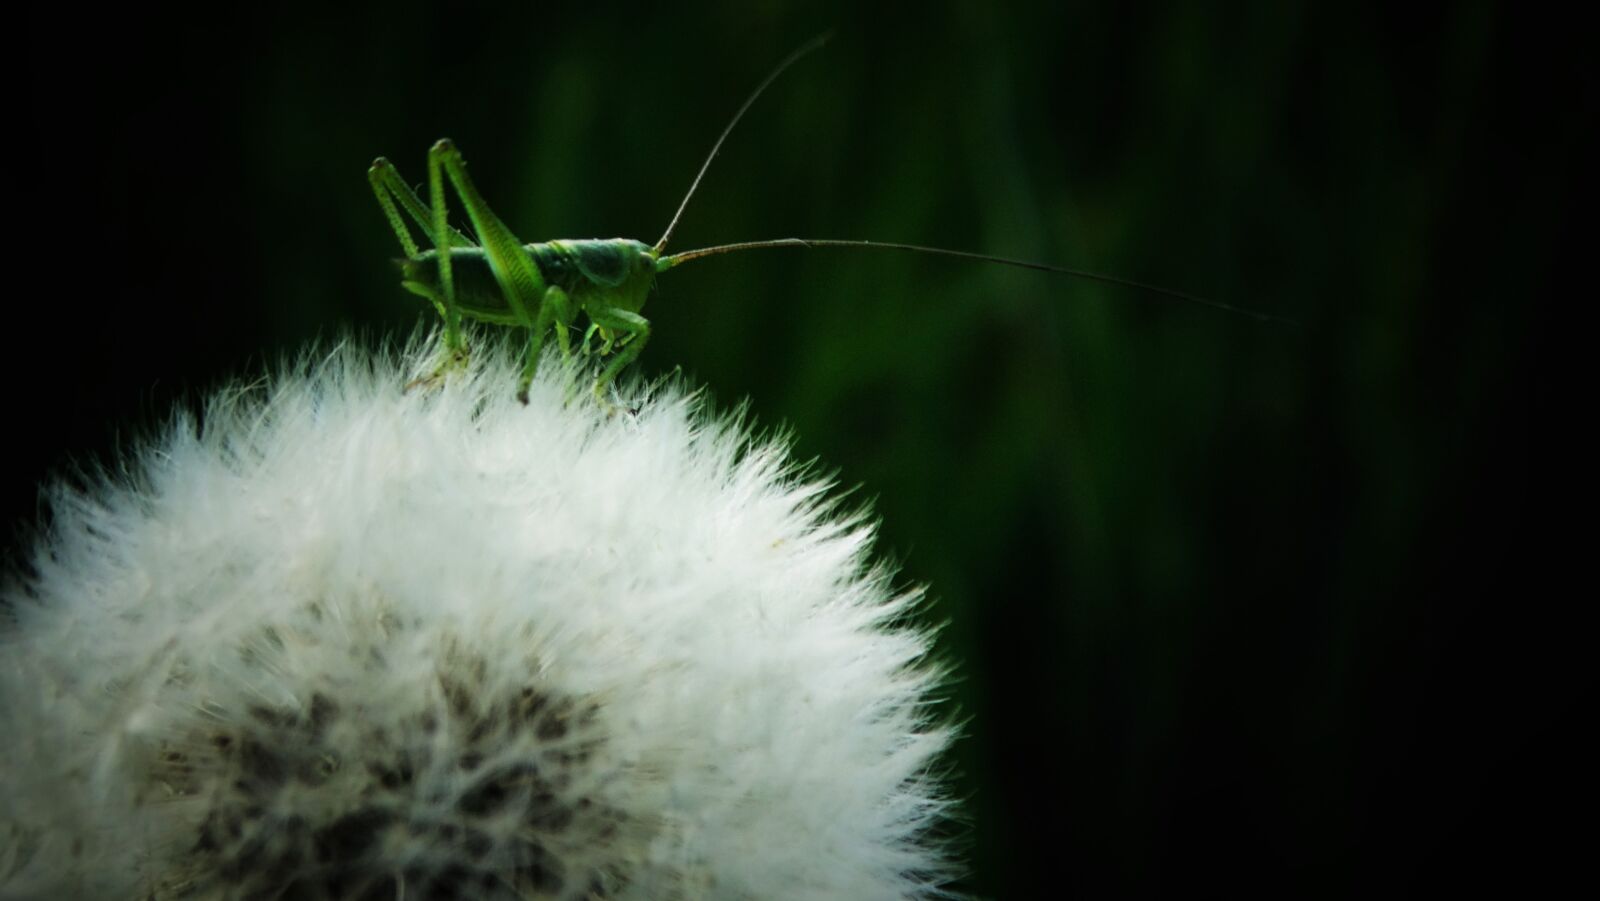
[332,638]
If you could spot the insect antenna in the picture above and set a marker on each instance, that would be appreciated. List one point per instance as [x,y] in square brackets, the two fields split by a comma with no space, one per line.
[788,61]
[668,262]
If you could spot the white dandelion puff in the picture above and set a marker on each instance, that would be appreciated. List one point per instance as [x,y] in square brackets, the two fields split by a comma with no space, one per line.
[334,639]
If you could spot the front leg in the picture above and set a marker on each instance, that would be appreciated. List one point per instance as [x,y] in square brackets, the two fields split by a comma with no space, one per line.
[634,331]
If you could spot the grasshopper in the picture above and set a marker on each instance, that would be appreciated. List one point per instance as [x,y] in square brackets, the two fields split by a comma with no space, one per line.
[543,286]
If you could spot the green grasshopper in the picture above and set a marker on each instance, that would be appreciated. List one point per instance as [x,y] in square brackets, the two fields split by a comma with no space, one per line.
[499,279]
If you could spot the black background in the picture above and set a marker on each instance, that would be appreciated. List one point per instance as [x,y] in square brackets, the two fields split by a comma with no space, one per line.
[1235,606]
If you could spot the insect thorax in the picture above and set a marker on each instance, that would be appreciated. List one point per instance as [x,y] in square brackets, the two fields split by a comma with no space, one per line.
[614,272]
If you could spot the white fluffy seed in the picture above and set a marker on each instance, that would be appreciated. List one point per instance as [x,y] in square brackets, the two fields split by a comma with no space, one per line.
[335,640]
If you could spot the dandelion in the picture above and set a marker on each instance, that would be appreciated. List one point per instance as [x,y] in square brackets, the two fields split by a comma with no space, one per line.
[335,639]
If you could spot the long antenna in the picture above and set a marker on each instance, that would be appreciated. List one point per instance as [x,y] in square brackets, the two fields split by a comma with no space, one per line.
[788,61]
[668,262]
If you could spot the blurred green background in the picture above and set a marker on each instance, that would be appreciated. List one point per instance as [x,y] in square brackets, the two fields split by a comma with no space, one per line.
[1222,595]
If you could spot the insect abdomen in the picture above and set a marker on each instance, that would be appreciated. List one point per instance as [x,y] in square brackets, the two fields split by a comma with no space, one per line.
[478,294]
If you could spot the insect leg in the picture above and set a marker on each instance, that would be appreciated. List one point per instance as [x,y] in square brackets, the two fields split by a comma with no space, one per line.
[555,308]
[606,338]
[634,330]
[389,187]
[382,177]
[430,293]
[513,268]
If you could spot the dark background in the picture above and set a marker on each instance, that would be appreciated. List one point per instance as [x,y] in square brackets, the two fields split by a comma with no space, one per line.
[1236,606]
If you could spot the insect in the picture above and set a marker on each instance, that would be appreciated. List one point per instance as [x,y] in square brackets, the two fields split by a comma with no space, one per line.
[543,286]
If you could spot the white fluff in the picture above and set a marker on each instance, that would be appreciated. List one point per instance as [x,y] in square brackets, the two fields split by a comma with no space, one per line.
[341,640]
